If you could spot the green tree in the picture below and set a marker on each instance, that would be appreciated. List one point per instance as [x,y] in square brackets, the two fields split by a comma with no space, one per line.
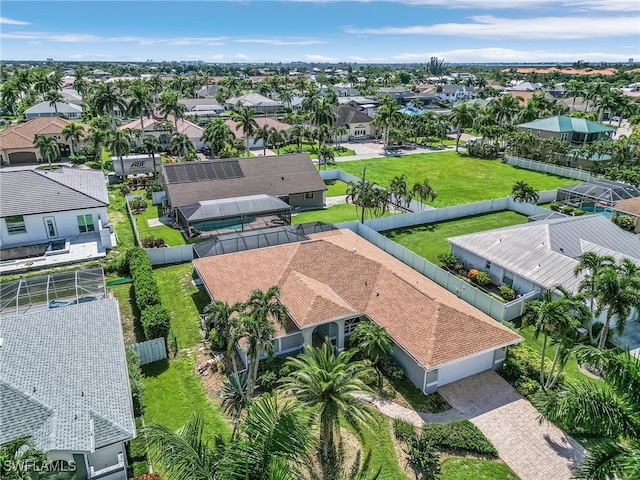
[151,145]
[181,145]
[170,105]
[424,191]
[108,98]
[141,102]
[97,139]
[263,133]
[374,342]
[53,97]
[606,409]
[17,458]
[245,120]
[218,135]
[75,132]
[327,384]
[591,263]
[48,146]
[523,192]
[461,117]
[119,144]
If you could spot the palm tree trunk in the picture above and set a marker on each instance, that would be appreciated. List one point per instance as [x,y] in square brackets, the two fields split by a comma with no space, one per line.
[124,176]
[553,367]
[544,348]
[458,139]
[604,333]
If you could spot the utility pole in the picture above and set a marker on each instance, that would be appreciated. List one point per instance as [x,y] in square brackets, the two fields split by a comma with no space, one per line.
[363,194]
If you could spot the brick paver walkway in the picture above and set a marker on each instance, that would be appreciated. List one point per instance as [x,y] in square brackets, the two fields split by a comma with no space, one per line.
[533,450]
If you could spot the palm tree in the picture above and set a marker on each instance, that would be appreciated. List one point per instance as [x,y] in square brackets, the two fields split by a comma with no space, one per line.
[10,95]
[48,146]
[606,410]
[263,133]
[424,191]
[151,145]
[398,189]
[245,120]
[181,145]
[106,99]
[262,310]
[98,138]
[574,88]
[75,132]
[326,384]
[81,86]
[220,317]
[53,97]
[17,455]
[461,117]
[523,192]
[591,263]
[218,135]
[374,342]
[141,102]
[155,82]
[170,105]
[119,144]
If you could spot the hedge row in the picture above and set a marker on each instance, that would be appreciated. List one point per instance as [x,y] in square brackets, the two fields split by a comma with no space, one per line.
[460,435]
[155,319]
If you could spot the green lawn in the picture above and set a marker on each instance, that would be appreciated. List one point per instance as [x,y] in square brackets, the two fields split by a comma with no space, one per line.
[335,188]
[456,468]
[431,239]
[336,214]
[131,326]
[170,235]
[312,150]
[456,178]
[183,300]
[173,393]
[118,216]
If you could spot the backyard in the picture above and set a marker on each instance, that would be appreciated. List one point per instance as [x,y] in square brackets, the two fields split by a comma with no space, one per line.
[335,188]
[456,178]
[170,235]
[336,214]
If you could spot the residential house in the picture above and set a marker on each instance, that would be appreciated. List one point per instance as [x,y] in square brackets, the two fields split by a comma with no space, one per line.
[568,129]
[396,93]
[203,108]
[454,93]
[38,206]
[292,178]
[64,383]
[70,95]
[61,109]
[268,122]
[358,124]
[525,96]
[336,279]
[630,207]
[16,141]
[516,86]
[157,126]
[255,101]
[366,105]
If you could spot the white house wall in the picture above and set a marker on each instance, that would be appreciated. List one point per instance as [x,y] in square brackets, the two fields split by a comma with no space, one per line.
[66,226]
[464,368]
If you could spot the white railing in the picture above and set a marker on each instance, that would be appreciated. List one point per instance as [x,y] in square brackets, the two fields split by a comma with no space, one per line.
[558,170]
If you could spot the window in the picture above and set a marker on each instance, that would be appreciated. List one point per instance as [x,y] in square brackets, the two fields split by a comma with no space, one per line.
[85,223]
[487,265]
[507,279]
[15,224]
[564,136]
[308,195]
[350,325]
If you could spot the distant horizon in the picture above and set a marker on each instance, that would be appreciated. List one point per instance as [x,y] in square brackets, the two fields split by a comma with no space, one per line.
[323,31]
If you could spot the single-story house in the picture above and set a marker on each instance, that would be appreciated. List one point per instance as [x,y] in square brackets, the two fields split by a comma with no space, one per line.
[516,86]
[61,109]
[269,122]
[454,93]
[203,108]
[568,129]
[257,102]
[337,279]
[16,141]
[358,124]
[69,390]
[293,178]
[155,126]
[525,97]
[541,254]
[38,206]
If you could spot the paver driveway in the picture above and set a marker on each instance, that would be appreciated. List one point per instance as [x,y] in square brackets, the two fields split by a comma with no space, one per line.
[533,450]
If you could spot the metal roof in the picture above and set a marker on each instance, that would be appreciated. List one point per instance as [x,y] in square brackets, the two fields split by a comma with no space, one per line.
[562,123]
[545,252]
[63,378]
[233,207]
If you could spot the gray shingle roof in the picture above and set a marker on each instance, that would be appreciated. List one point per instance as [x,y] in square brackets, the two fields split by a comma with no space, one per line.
[63,378]
[45,107]
[26,192]
[546,252]
[346,114]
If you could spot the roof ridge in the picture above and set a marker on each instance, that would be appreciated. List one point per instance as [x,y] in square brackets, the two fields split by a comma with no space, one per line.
[44,174]
[27,396]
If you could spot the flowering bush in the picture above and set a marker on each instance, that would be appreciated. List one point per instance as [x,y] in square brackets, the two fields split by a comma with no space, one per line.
[473,273]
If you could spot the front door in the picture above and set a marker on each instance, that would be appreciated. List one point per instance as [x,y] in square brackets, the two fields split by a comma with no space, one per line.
[50,226]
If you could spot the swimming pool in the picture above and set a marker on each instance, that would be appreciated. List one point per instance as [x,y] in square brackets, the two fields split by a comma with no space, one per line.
[601,210]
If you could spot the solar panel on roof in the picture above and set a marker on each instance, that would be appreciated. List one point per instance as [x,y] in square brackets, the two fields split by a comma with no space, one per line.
[201,172]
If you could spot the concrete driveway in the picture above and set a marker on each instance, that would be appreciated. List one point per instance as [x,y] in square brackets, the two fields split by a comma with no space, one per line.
[533,450]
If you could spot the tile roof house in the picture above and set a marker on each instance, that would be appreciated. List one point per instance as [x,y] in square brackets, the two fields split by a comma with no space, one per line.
[154,126]
[292,178]
[72,397]
[61,109]
[336,279]
[16,141]
[269,122]
[38,206]
[569,129]
[257,102]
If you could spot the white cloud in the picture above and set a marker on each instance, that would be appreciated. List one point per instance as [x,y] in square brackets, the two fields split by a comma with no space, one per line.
[353,58]
[90,38]
[320,58]
[240,56]
[279,42]
[487,26]
[9,21]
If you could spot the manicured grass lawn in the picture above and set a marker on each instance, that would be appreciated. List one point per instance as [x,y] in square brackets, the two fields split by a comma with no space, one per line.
[174,393]
[118,216]
[170,235]
[131,326]
[183,300]
[431,239]
[335,188]
[456,178]
[457,468]
[336,214]
[312,150]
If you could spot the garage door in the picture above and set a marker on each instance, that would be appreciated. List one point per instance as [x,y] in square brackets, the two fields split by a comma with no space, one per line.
[22,157]
[463,369]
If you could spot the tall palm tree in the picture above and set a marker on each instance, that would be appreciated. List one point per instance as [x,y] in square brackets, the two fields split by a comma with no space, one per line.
[591,263]
[98,139]
[106,99]
[461,117]
[17,455]
[245,120]
[141,102]
[220,317]
[218,135]
[48,146]
[574,88]
[263,133]
[75,132]
[54,97]
[605,410]
[506,108]
[170,105]
[155,82]
[424,191]
[374,342]
[81,86]
[327,384]
[10,95]
[119,144]
[181,145]
[151,145]
[277,138]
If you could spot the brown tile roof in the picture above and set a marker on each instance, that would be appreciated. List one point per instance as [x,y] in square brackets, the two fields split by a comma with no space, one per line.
[566,71]
[185,127]
[631,205]
[22,135]
[526,96]
[276,175]
[338,274]
[238,131]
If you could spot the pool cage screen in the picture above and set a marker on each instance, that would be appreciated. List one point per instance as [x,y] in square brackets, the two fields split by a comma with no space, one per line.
[51,291]
[604,193]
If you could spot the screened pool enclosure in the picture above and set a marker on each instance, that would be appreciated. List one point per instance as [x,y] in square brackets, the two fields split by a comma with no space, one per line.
[596,194]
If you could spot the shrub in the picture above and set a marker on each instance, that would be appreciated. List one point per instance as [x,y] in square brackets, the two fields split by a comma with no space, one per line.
[554,206]
[77,159]
[423,458]
[567,210]
[370,377]
[216,342]
[483,279]
[146,291]
[521,362]
[448,261]
[160,243]
[267,381]
[141,471]
[623,221]
[460,435]
[138,448]
[578,213]
[508,293]
[148,241]
[138,204]
[472,274]
[135,379]
[124,189]
[526,387]
[152,186]
[435,403]
[403,430]
[156,321]
[391,369]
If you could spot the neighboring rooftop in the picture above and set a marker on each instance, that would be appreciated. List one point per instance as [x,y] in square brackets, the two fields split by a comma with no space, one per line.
[562,123]
[185,127]
[269,122]
[62,108]
[346,115]
[23,134]
[253,100]
[71,393]
[25,192]
[338,274]
[631,205]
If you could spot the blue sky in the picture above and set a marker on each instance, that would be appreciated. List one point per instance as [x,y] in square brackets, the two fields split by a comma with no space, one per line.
[322,30]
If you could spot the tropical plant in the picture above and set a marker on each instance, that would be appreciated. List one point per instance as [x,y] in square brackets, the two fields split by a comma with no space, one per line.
[605,409]
[327,384]
[151,145]
[75,132]
[523,192]
[18,458]
[424,191]
[218,135]
[220,317]
[461,117]
[108,98]
[263,133]
[245,120]
[119,144]
[141,102]
[374,342]
[48,147]
[54,97]
[181,145]
[170,105]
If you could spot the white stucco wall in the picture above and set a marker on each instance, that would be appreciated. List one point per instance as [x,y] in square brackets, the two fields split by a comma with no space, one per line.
[464,368]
